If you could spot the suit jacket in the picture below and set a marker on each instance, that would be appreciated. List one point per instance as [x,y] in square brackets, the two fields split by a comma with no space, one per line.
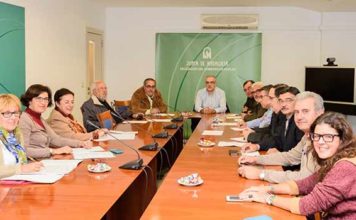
[291,139]
[140,103]
[37,139]
[90,109]
[266,137]
[66,127]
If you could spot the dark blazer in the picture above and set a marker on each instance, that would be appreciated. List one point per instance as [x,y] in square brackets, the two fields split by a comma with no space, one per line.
[291,139]
[266,137]
[90,109]
[256,112]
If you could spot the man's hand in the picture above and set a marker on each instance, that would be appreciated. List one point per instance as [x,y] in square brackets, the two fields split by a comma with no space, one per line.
[250,172]
[247,160]
[250,147]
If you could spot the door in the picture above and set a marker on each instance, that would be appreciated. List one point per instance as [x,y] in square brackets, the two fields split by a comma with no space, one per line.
[95,57]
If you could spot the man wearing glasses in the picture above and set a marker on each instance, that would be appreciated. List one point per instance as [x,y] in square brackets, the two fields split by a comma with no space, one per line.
[211,99]
[308,107]
[147,99]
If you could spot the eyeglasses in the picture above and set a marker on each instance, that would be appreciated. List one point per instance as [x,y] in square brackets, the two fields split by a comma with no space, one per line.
[41,99]
[9,114]
[288,100]
[149,86]
[210,82]
[326,137]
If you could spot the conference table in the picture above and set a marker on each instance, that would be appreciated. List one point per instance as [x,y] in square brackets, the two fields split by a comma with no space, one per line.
[118,194]
[133,194]
[219,172]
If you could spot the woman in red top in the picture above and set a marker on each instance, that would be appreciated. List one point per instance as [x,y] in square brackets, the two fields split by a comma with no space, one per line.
[331,190]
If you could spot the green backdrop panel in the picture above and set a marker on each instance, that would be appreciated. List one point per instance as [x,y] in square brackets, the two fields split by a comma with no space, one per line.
[12,49]
[184,59]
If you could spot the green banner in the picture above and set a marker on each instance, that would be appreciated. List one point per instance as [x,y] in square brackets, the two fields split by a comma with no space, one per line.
[184,59]
[12,49]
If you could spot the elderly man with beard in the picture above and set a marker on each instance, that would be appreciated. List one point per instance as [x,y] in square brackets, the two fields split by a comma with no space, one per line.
[307,108]
[96,104]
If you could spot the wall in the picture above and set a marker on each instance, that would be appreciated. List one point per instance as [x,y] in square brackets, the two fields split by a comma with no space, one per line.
[291,40]
[56,43]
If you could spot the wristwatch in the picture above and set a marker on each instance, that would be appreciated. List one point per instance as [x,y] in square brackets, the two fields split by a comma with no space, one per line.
[262,175]
[270,198]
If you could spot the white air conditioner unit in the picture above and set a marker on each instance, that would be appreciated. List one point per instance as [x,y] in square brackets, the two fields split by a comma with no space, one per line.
[229,21]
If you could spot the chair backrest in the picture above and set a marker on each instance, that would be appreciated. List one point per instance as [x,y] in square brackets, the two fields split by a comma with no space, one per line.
[106,120]
[118,103]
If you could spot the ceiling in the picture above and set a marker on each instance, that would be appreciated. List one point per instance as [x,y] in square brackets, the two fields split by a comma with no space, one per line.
[316,5]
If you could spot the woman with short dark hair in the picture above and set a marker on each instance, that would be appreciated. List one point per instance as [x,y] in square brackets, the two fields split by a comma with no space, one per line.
[39,138]
[62,121]
[331,190]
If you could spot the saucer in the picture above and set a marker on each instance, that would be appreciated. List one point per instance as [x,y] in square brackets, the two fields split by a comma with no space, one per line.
[191,180]
[206,144]
[99,168]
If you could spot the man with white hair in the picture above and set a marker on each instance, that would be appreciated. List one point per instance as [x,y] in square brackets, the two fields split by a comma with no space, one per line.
[308,107]
[97,104]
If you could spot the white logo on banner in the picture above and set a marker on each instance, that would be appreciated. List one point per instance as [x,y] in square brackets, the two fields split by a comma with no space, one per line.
[207,53]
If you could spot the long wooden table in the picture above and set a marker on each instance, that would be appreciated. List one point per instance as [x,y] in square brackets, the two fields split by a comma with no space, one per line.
[118,194]
[207,201]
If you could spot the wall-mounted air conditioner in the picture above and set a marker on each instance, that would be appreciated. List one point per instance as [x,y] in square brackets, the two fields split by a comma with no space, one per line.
[229,21]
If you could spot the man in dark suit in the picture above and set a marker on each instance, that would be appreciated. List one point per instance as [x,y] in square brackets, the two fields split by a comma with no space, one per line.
[285,134]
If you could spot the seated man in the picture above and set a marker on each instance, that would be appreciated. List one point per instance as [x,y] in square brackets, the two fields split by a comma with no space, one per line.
[147,99]
[250,101]
[288,133]
[210,99]
[308,107]
[97,104]
[257,110]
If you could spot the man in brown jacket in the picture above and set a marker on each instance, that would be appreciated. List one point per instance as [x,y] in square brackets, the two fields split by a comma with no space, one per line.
[147,99]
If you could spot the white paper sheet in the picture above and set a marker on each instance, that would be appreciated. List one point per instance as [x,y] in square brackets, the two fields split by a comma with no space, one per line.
[237,129]
[251,154]
[59,167]
[47,178]
[121,136]
[213,132]
[230,143]
[123,132]
[224,124]
[161,119]
[164,114]
[239,139]
[93,155]
[135,122]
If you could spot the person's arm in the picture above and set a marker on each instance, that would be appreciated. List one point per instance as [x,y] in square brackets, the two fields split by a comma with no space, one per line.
[62,128]
[266,119]
[89,114]
[56,140]
[254,123]
[198,102]
[222,103]
[35,150]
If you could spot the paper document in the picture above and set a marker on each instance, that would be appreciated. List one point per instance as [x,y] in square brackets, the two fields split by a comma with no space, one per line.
[161,120]
[120,136]
[230,144]
[123,132]
[213,132]
[45,178]
[233,117]
[135,122]
[225,124]
[239,139]
[237,129]
[164,114]
[59,167]
[93,155]
[251,154]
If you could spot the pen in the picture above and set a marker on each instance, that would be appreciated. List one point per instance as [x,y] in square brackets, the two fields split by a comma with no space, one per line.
[32,159]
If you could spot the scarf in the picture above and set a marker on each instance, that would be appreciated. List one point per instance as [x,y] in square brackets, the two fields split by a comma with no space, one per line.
[10,140]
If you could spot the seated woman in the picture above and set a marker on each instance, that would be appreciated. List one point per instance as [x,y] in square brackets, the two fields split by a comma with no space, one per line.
[330,190]
[12,155]
[38,135]
[62,121]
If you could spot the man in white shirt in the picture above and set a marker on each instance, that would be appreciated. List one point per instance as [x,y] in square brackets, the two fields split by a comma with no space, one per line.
[211,99]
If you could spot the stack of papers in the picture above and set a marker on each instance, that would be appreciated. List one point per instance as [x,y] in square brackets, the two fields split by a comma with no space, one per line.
[239,139]
[225,124]
[92,153]
[135,122]
[52,171]
[237,129]
[230,144]
[213,132]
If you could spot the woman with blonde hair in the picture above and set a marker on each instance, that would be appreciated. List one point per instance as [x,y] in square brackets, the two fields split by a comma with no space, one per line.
[331,190]
[13,158]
